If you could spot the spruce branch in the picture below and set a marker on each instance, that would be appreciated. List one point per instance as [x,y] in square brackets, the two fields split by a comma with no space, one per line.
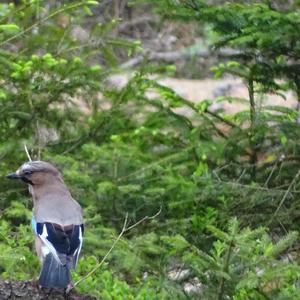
[40,22]
[225,269]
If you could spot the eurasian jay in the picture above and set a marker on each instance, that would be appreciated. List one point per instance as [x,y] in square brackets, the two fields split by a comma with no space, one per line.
[57,222]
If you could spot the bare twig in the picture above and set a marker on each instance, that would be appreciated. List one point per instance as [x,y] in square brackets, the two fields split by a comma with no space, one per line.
[27,153]
[106,255]
[271,174]
[143,220]
[124,229]
[249,186]
[286,193]
[153,164]
[278,164]
[253,116]
[173,56]
[124,26]
[39,144]
[242,174]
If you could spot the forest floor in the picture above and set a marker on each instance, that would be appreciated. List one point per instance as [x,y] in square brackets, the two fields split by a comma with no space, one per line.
[28,290]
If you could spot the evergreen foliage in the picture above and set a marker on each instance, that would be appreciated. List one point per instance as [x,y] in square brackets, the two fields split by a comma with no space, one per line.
[227,185]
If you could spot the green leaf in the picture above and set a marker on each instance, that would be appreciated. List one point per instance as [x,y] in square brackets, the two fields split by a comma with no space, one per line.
[92,2]
[10,28]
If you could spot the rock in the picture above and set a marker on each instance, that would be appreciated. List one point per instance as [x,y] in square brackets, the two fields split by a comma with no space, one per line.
[179,274]
[193,287]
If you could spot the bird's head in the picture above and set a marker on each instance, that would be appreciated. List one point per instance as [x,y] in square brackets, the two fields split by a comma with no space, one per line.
[36,173]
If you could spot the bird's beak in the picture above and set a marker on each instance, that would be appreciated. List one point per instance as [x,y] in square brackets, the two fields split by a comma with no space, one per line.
[13,176]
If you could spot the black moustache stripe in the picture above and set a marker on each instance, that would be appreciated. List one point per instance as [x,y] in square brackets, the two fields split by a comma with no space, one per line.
[27,180]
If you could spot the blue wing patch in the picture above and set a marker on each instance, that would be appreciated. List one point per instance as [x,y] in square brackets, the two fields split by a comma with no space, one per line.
[33,225]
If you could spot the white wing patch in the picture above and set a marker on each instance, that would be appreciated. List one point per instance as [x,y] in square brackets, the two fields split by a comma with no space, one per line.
[77,251]
[48,247]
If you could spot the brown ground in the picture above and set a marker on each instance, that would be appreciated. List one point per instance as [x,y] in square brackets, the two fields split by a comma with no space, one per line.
[28,290]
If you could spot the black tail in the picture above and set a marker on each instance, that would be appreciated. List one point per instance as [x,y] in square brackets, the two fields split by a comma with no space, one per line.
[54,274]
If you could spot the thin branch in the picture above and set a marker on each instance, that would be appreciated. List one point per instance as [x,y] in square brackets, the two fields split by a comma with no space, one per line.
[286,193]
[249,186]
[252,141]
[146,218]
[173,56]
[137,21]
[27,153]
[217,116]
[51,15]
[106,255]
[124,229]
[153,164]
[271,173]
[39,139]
[242,174]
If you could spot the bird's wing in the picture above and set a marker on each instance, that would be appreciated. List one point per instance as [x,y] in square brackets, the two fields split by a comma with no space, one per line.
[76,244]
[63,242]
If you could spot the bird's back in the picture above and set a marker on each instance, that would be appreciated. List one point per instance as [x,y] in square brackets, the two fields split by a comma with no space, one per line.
[59,208]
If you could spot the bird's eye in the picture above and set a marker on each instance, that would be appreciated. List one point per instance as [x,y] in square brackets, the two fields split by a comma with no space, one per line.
[28,173]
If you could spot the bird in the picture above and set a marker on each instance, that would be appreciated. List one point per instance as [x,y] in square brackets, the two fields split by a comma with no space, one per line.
[57,223]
